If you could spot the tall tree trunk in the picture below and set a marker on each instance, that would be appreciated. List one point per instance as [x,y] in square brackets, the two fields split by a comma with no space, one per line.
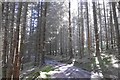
[16,61]
[5,42]
[10,61]
[44,30]
[101,44]
[70,33]
[82,30]
[97,40]
[41,34]
[88,29]
[105,25]
[108,31]
[116,28]
[23,31]
[38,36]
[30,35]
[96,30]
[80,53]
[79,31]
[111,27]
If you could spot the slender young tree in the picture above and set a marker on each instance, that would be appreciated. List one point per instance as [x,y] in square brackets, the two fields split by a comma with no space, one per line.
[79,30]
[70,33]
[23,32]
[100,22]
[105,25]
[96,30]
[82,30]
[88,29]
[111,27]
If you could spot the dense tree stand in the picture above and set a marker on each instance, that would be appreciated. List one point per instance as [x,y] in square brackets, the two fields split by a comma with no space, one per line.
[67,39]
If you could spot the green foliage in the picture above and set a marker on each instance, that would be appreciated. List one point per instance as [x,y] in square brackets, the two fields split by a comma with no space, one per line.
[36,74]
[47,75]
[47,69]
[28,65]
[93,61]
[33,76]
[106,61]
[44,69]
[85,66]
[85,49]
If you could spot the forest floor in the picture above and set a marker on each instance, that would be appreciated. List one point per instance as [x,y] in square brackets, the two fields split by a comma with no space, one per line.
[55,69]
[87,67]
[107,66]
[63,70]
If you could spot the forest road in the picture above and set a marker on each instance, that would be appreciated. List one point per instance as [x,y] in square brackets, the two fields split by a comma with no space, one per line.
[63,70]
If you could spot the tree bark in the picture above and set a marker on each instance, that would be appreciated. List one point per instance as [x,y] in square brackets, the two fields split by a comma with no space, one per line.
[116,28]
[105,25]
[88,29]
[5,42]
[70,33]
[44,30]
[38,36]
[17,56]
[10,58]
[111,27]
[82,30]
[96,30]
[101,44]
[23,31]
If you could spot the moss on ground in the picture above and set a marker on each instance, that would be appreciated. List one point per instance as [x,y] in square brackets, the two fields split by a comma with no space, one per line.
[44,69]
